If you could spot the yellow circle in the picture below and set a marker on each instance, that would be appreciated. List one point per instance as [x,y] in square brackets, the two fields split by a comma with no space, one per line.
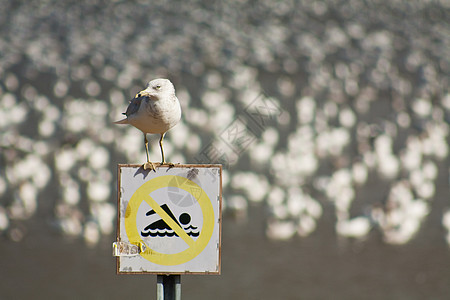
[143,194]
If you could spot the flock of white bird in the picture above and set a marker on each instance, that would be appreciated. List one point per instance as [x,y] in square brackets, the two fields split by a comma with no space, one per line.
[362,122]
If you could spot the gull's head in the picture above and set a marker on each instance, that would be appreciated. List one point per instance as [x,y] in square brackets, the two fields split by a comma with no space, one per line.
[158,89]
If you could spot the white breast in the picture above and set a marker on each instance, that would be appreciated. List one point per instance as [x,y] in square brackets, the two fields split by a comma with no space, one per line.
[155,116]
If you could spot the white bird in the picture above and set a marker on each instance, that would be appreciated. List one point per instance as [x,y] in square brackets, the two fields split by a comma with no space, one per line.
[154,110]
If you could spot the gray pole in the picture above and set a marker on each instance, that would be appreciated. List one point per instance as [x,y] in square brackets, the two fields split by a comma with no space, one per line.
[168,287]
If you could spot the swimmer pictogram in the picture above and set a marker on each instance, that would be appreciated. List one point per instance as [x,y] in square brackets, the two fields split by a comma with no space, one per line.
[161,229]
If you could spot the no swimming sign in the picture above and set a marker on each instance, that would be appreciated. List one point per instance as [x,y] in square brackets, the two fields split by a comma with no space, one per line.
[169,221]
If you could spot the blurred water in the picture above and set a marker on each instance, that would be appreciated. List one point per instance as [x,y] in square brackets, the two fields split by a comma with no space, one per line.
[331,119]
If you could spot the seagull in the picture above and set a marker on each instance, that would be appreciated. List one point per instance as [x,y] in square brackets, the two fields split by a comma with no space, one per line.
[154,110]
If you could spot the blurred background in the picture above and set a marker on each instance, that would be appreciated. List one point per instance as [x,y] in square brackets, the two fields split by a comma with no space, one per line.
[331,119]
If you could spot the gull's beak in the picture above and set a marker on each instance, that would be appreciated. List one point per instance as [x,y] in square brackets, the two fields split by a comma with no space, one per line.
[144,93]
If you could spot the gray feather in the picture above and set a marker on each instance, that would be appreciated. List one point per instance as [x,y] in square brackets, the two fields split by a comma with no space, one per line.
[133,107]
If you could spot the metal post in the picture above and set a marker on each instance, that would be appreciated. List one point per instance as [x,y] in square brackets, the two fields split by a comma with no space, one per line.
[168,287]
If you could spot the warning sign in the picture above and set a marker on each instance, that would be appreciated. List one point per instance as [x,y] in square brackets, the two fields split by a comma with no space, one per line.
[169,220]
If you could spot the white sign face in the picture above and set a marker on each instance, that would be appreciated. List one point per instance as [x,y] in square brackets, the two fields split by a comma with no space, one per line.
[169,221]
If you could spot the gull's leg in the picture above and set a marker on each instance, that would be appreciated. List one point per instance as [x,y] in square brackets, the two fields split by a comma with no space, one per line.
[146,147]
[162,151]
[148,164]
[161,146]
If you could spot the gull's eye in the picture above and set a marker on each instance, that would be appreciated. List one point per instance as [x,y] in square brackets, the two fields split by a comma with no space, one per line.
[158,87]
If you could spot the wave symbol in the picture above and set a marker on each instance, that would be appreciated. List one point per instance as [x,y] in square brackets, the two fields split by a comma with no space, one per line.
[169,232]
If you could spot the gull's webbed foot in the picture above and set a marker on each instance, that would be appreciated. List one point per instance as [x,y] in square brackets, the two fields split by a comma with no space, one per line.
[171,165]
[149,166]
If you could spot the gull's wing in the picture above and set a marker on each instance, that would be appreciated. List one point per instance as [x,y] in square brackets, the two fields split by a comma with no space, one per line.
[132,108]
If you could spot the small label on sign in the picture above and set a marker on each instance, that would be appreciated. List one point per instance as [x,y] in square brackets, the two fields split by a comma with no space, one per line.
[127,249]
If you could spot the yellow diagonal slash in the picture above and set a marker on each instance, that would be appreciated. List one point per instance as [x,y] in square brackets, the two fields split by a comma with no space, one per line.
[169,221]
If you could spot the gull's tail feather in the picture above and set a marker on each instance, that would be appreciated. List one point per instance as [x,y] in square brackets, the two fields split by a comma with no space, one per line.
[124,121]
